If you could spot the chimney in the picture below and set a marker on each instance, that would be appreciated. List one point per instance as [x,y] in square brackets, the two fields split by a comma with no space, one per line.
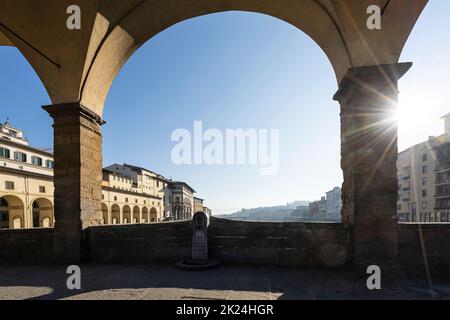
[447,123]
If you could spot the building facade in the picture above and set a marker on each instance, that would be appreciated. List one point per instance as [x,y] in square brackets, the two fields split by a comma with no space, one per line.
[334,203]
[318,208]
[182,196]
[424,180]
[328,207]
[200,206]
[130,194]
[26,182]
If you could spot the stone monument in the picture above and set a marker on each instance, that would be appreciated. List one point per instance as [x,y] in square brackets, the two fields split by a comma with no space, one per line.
[199,258]
[200,224]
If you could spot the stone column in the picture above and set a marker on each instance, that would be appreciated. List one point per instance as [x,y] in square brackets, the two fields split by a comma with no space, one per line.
[368,98]
[77,177]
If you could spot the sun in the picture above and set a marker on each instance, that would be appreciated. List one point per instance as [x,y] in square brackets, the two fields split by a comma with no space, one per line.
[410,110]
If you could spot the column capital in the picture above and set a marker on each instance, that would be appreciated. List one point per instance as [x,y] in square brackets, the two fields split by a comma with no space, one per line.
[363,76]
[73,108]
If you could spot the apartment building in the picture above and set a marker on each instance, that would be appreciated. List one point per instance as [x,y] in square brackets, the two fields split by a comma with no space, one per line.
[328,207]
[334,203]
[424,180]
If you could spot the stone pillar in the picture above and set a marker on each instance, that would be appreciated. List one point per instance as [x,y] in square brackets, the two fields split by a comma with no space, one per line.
[77,177]
[368,98]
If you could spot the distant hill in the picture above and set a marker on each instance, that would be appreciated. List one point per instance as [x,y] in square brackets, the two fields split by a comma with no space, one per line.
[295,211]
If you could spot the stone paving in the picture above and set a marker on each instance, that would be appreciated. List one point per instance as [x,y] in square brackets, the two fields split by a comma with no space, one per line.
[226,282]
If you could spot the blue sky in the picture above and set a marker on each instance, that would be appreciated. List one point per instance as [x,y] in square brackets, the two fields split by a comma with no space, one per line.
[240,70]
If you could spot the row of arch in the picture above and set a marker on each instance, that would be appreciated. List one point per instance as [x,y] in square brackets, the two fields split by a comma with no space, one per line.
[127,215]
[14,215]
[182,212]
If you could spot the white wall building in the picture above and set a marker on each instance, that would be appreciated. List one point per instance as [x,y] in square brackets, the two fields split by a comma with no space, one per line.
[424,180]
[334,203]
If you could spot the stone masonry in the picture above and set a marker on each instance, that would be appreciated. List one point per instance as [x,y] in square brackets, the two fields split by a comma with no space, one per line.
[368,98]
[77,175]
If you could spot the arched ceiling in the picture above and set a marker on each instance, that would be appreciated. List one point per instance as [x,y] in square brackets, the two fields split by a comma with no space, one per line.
[80,65]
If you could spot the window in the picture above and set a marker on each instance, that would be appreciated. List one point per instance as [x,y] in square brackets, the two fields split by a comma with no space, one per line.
[20,156]
[49,164]
[115,198]
[5,153]
[424,193]
[424,181]
[424,205]
[425,169]
[103,197]
[41,189]
[424,157]
[126,199]
[413,207]
[36,161]
[145,201]
[399,207]
[135,200]
[9,185]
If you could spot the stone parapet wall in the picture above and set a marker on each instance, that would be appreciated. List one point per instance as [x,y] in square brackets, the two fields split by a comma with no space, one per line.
[140,243]
[421,247]
[287,244]
[284,244]
[26,246]
[424,249]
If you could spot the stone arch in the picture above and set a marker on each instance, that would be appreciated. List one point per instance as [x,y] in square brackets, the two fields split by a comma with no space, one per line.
[42,213]
[12,213]
[145,216]
[153,215]
[126,214]
[136,214]
[80,66]
[133,30]
[105,214]
[115,214]
[178,212]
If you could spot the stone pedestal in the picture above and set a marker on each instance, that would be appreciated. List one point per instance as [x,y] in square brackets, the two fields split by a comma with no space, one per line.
[77,177]
[368,98]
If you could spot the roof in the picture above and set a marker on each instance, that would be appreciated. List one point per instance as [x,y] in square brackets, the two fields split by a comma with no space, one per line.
[185,184]
[140,169]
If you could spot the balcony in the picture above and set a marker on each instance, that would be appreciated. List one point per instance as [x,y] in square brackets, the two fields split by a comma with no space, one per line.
[443,166]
